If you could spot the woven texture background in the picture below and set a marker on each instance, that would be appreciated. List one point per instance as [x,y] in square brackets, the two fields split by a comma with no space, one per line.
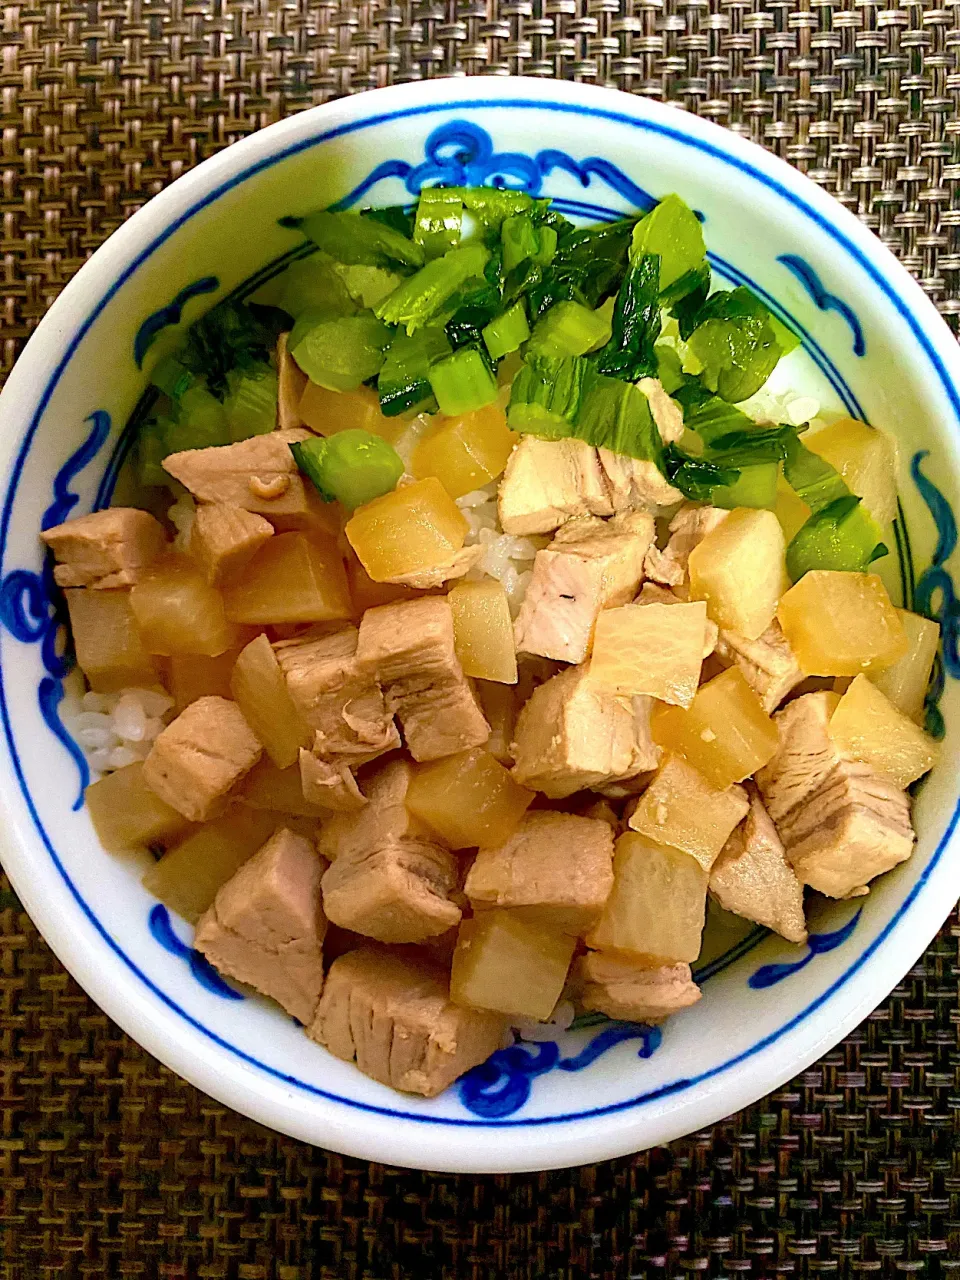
[110,1166]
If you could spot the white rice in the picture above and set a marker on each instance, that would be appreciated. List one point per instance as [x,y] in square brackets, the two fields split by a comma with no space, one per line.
[529,1029]
[115,729]
[182,515]
[507,558]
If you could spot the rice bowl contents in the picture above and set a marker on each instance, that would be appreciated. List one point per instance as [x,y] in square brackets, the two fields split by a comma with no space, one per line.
[483,600]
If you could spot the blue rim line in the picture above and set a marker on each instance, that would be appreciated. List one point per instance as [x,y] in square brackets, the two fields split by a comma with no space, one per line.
[678,136]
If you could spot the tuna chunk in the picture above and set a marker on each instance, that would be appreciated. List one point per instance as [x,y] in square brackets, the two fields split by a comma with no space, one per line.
[460,563]
[225,539]
[329,784]
[384,817]
[292,382]
[841,824]
[667,414]
[548,482]
[590,565]
[337,696]
[395,1019]
[752,877]
[570,736]
[688,528]
[200,756]
[393,890]
[106,549]
[555,870]
[266,925]
[767,664]
[623,989]
[258,474]
[408,647]
[636,485]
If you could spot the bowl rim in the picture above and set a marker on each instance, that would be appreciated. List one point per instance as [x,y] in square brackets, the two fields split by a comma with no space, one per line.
[53,346]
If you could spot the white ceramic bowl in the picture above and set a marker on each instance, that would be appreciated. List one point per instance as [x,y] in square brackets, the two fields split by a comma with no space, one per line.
[873,344]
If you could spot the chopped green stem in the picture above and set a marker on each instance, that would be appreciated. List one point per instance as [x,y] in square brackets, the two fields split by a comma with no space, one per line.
[353,467]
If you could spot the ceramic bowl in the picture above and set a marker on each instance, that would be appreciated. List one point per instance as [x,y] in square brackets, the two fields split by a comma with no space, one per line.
[873,346]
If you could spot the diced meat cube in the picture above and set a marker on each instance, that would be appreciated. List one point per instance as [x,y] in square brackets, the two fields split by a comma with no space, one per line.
[654,593]
[636,485]
[547,482]
[622,988]
[688,528]
[337,696]
[555,870]
[395,1019]
[841,823]
[590,565]
[292,382]
[569,735]
[266,925]
[768,664]
[224,539]
[393,890]
[460,563]
[329,784]
[408,647]
[667,414]
[258,474]
[200,756]
[384,817]
[106,549]
[752,877]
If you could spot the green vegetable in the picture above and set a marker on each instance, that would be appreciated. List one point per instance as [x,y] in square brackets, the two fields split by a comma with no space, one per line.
[233,335]
[568,329]
[340,354]
[669,368]
[463,382]
[172,377]
[752,446]
[367,286]
[351,466]
[398,217]
[420,299]
[841,535]
[636,324]
[251,403]
[545,396]
[671,232]
[506,332]
[588,266]
[756,486]
[201,422]
[492,205]
[150,452]
[735,343]
[689,291]
[475,304]
[616,415]
[438,221]
[812,478]
[314,283]
[403,383]
[697,478]
[686,309]
[708,415]
[787,340]
[356,240]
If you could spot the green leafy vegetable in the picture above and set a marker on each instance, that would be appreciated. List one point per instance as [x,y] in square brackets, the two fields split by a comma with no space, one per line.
[812,478]
[233,335]
[403,383]
[420,299]
[506,332]
[840,535]
[636,324]
[756,486]
[492,205]
[463,382]
[315,283]
[438,221]
[616,415]
[350,466]
[545,396]
[735,343]
[251,402]
[356,240]
[671,232]
[340,354]
[172,376]
[568,329]
[696,478]
[588,266]
[398,217]
[689,291]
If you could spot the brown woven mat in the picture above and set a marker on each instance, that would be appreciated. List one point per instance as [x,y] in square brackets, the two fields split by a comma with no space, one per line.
[110,1166]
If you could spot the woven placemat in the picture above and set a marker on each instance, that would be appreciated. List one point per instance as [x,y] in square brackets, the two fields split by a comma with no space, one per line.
[111,1166]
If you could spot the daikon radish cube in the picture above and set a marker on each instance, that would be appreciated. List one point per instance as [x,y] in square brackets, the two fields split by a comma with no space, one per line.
[681,809]
[293,578]
[327,412]
[469,799]
[906,681]
[108,646]
[509,966]
[841,624]
[260,691]
[178,612]
[193,676]
[498,702]
[658,903]
[867,726]
[466,451]
[483,630]
[739,569]
[416,528]
[725,733]
[367,594]
[654,649]
[127,814]
[866,458]
[278,790]
[791,510]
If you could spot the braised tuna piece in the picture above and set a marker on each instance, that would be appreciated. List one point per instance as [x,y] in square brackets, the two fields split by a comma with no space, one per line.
[105,549]
[459,564]
[768,664]
[623,988]
[258,474]
[408,648]
[570,735]
[329,783]
[384,817]
[636,485]
[395,1019]
[225,539]
[841,823]
[393,890]
[200,756]
[266,925]
[752,877]
[548,482]
[688,528]
[555,870]
[590,565]
[337,695]
[292,382]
